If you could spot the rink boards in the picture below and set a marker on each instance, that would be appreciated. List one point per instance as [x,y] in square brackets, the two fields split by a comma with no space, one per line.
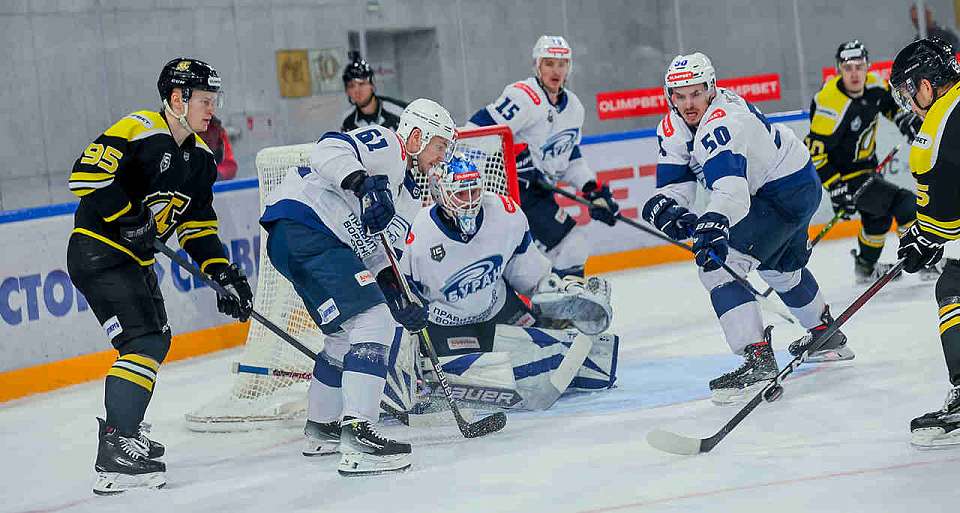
[50,339]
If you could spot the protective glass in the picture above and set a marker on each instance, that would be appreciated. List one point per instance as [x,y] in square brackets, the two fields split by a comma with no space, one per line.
[904,94]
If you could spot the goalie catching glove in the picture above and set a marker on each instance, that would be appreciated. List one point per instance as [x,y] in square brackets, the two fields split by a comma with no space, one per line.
[585,302]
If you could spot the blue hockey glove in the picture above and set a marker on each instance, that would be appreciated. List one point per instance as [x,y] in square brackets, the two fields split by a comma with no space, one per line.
[919,250]
[411,316]
[672,219]
[376,203]
[602,207]
[710,240]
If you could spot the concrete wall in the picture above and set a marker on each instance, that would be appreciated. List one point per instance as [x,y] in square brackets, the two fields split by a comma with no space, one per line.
[72,67]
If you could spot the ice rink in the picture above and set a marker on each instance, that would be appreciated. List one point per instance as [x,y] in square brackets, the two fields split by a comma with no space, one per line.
[836,441]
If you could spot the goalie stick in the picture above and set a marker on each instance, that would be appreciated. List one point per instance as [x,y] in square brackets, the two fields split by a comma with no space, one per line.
[668,441]
[278,331]
[484,426]
[762,299]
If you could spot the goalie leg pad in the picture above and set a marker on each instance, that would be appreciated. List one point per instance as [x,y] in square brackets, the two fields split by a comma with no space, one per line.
[480,377]
[599,369]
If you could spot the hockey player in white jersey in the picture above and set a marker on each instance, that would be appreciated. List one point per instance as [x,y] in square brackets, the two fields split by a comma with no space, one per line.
[323,223]
[469,255]
[548,118]
[763,191]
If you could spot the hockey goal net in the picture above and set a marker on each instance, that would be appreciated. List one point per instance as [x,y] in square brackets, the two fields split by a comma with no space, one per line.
[270,383]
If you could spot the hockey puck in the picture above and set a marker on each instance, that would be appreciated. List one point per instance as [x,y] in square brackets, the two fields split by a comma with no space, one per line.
[773,393]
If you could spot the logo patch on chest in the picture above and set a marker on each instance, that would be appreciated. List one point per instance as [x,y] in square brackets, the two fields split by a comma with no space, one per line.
[437,252]
[165,162]
[856,124]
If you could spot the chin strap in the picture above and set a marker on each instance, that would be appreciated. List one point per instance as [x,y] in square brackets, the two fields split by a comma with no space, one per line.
[182,119]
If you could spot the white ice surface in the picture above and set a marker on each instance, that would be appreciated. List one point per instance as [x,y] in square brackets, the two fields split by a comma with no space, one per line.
[836,441]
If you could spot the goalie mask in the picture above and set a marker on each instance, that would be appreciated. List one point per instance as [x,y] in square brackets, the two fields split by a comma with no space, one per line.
[457,187]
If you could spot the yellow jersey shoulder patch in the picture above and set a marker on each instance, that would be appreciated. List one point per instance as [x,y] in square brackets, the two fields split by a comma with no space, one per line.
[202,144]
[874,81]
[926,146]
[831,105]
[138,125]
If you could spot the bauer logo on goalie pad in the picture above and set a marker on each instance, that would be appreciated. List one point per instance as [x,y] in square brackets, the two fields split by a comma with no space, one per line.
[328,311]
[112,327]
[437,252]
[364,278]
[493,396]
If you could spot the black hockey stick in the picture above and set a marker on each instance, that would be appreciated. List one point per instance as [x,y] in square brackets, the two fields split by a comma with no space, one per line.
[656,233]
[668,441]
[277,330]
[484,426]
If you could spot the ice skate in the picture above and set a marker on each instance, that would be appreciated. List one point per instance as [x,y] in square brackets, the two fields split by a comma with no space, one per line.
[833,350]
[154,449]
[930,273]
[322,438]
[365,452]
[759,368]
[940,428]
[866,273]
[123,464]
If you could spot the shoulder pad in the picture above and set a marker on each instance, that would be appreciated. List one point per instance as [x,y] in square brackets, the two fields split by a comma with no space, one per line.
[831,104]
[138,125]
[926,146]
[874,80]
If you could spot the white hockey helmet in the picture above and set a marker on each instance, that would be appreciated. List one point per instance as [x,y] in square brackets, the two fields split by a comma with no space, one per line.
[685,70]
[456,185]
[554,47]
[431,118]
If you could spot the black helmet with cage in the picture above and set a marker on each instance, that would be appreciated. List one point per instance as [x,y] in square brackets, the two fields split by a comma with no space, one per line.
[930,59]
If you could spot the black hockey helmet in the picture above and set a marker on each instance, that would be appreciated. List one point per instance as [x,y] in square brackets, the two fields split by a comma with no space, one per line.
[187,74]
[851,51]
[930,59]
[357,69]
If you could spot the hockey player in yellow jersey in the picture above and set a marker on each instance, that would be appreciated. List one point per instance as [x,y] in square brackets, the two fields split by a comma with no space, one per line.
[926,78]
[148,176]
[843,137]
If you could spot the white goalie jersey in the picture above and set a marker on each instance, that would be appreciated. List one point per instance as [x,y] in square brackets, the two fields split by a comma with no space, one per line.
[313,195]
[552,133]
[734,153]
[466,280]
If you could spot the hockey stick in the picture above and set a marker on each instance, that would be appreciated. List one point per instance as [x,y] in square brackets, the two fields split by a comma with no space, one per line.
[484,426]
[277,330]
[656,233]
[668,441]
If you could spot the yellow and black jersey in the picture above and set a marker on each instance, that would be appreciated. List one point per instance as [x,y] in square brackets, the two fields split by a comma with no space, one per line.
[935,163]
[137,164]
[843,130]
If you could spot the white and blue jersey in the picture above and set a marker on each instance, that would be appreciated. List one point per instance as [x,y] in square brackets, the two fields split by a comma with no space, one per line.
[735,153]
[313,195]
[465,277]
[552,133]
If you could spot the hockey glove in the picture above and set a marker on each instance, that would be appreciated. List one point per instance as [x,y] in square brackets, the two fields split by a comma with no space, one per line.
[673,220]
[239,304]
[138,231]
[710,241]
[376,202]
[919,250]
[908,123]
[411,316]
[842,199]
[602,207]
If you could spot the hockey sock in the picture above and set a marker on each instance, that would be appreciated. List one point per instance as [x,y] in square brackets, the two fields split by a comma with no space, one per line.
[870,247]
[800,292]
[950,335]
[364,374]
[739,314]
[324,399]
[127,392]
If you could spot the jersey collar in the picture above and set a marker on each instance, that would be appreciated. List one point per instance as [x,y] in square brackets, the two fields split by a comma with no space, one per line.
[451,232]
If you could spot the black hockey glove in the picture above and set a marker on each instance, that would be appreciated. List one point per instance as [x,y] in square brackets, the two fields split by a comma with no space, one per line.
[671,219]
[138,231]
[908,123]
[919,250]
[239,304]
[710,244]
[411,316]
[842,199]
[602,207]
[376,202]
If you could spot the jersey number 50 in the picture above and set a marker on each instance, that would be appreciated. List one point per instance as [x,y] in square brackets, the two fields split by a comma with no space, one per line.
[721,134]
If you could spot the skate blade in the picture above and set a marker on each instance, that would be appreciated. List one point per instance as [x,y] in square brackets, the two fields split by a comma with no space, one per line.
[840,354]
[934,438]
[362,464]
[732,396]
[314,448]
[113,483]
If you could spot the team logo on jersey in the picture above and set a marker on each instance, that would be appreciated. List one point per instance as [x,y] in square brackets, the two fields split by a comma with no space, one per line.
[186,156]
[473,278]
[561,143]
[550,116]
[165,162]
[167,208]
[437,252]
[856,124]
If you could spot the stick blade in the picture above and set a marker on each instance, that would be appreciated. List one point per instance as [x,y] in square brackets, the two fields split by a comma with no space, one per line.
[484,426]
[673,443]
